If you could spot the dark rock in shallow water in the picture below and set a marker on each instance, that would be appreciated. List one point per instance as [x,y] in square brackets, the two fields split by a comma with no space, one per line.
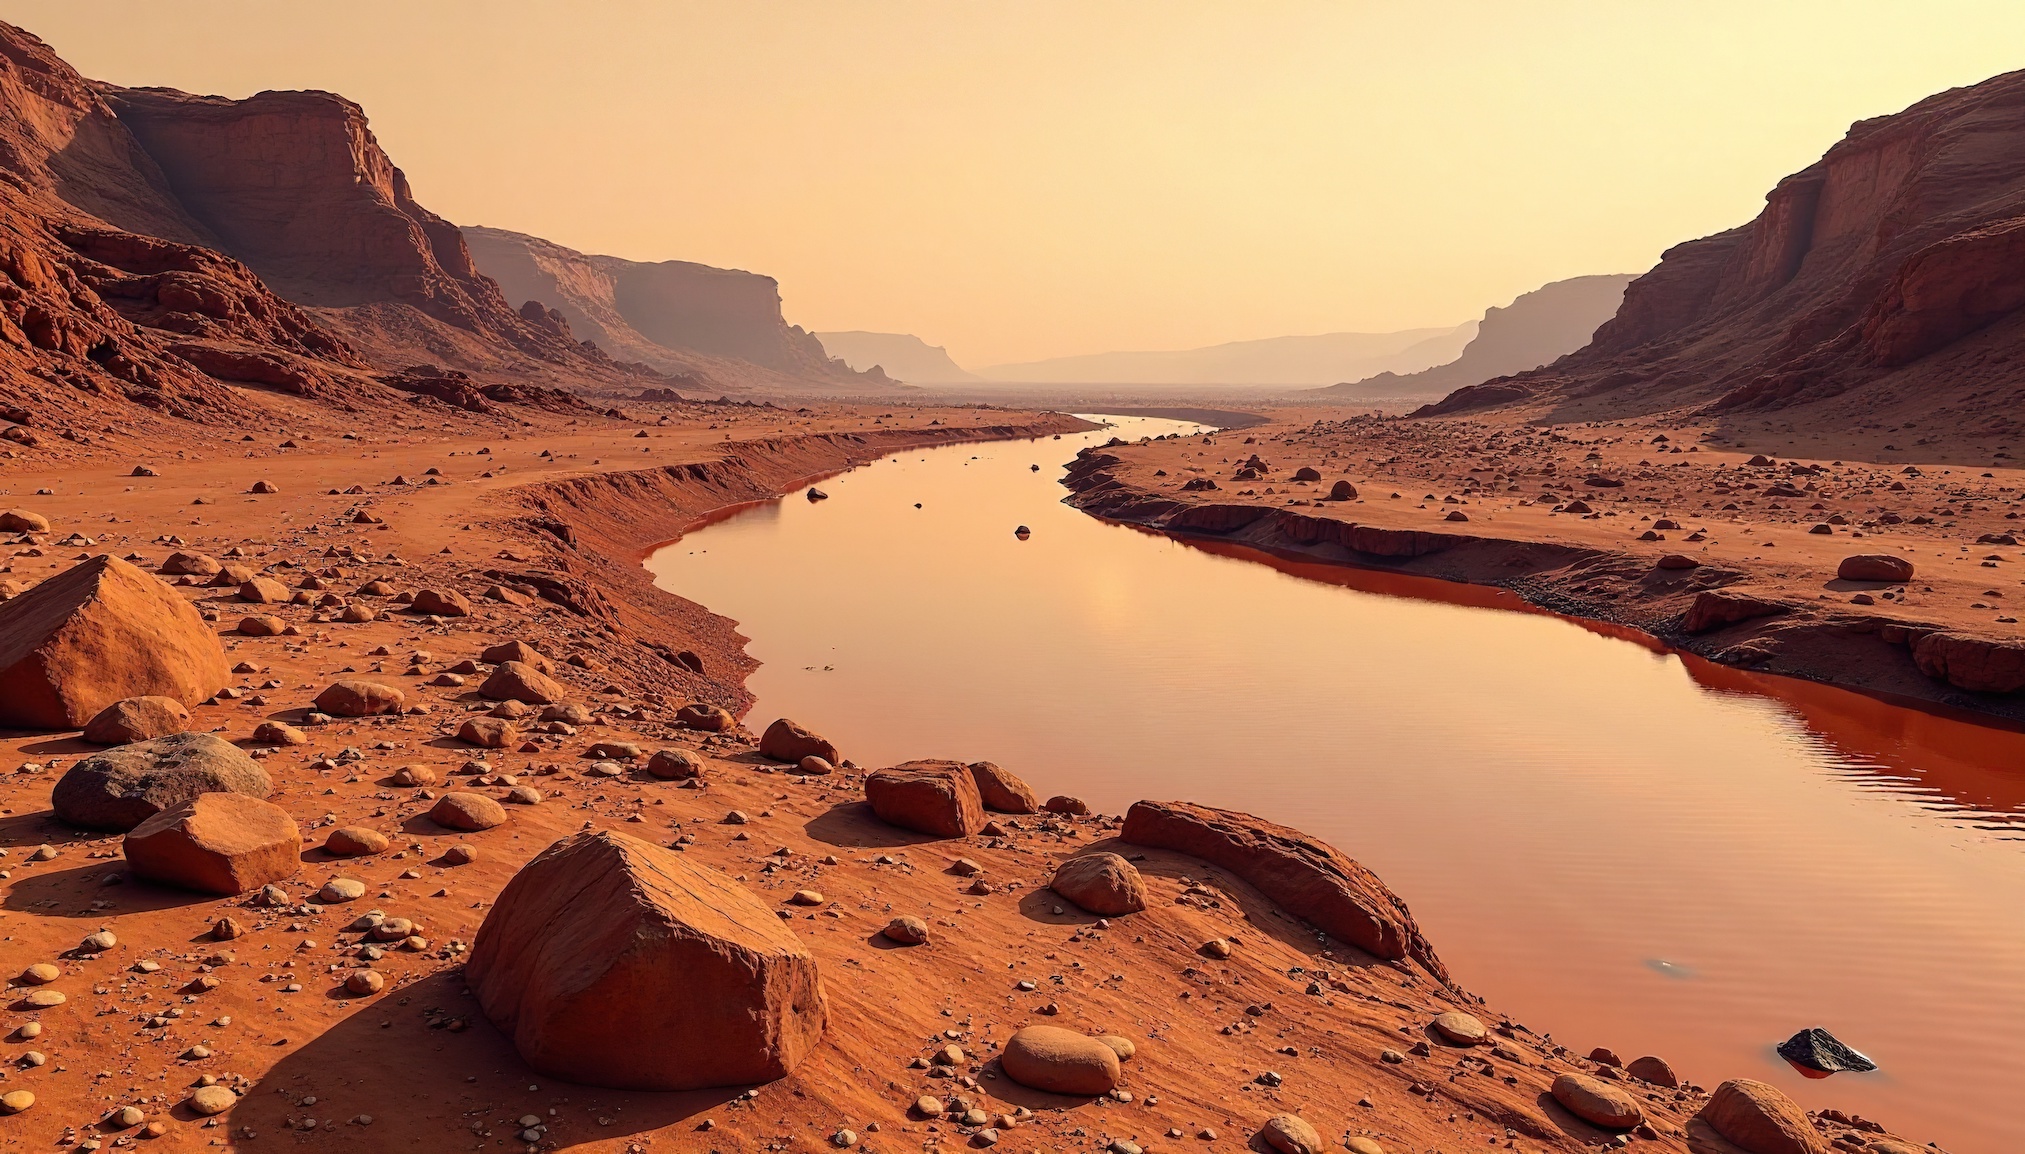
[1817,1049]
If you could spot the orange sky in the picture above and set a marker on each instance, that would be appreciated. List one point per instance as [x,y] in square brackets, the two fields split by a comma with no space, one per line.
[1034,178]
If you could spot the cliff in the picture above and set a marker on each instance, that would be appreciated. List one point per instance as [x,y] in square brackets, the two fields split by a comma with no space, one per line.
[903,356]
[675,315]
[1298,360]
[1535,329]
[1882,280]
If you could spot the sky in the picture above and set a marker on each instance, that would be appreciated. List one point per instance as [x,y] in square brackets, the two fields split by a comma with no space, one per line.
[1034,178]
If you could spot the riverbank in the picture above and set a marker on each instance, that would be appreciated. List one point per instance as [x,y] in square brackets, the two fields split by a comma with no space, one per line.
[1639,528]
[542,536]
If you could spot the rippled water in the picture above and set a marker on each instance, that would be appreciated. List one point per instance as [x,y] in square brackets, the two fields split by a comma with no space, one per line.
[1626,847]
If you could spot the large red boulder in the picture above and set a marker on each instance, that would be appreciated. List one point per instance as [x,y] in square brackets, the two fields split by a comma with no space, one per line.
[1003,790]
[1102,883]
[1310,878]
[357,697]
[1059,1061]
[95,633]
[612,962]
[216,843]
[1875,567]
[787,741]
[1966,661]
[938,798]
[128,784]
[519,681]
[137,719]
[1758,1118]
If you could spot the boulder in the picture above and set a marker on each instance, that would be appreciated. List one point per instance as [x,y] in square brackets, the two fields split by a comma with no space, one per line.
[1342,491]
[216,843]
[128,784]
[137,719]
[441,603]
[1060,1061]
[469,812]
[612,962]
[1309,878]
[674,765]
[519,681]
[354,697]
[1307,473]
[1720,608]
[1598,1102]
[1002,790]
[1102,883]
[264,591]
[1817,1049]
[1653,1070]
[488,732]
[1069,806]
[519,651]
[355,841]
[94,634]
[1463,1029]
[182,563]
[786,741]
[1291,1134]
[1759,1119]
[261,625]
[938,798]
[22,521]
[906,930]
[1875,567]
[708,718]
[1967,661]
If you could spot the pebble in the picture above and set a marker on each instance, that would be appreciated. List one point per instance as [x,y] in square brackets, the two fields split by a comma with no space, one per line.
[341,890]
[127,1116]
[99,942]
[40,974]
[365,982]
[15,1101]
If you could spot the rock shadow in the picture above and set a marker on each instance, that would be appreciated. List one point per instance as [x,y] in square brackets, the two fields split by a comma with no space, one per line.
[445,1081]
[853,825]
[70,892]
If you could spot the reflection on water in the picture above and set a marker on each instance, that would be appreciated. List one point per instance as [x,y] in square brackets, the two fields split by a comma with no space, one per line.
[1635,849]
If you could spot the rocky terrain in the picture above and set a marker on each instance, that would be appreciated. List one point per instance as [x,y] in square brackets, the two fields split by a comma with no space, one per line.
[1535,329]
[407,794]
[1877,292]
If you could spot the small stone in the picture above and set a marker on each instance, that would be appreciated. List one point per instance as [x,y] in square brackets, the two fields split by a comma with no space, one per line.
[906,930]
[341,890]
[365,982]
[15,1101]
[40,974]
[212,1100]
[1460,1028]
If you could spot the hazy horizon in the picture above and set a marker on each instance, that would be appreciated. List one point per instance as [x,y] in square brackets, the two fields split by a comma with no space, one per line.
[1021,184]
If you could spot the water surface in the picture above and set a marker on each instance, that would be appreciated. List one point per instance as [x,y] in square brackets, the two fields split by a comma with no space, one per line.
[1622,846]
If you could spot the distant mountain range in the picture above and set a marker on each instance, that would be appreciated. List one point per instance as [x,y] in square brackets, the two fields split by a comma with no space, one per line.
[1538,328]
[1303,360]
[903,356]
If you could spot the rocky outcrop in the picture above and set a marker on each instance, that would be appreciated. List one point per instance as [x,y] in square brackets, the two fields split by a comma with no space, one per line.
[937,798]
[97,633]
[1308,877]
[677,316]
[1537,328]
[1888,269]
[612,962]
[1967,661]
[902,356]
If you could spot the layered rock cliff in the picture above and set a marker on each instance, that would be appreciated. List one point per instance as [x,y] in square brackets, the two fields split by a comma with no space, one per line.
[1537,328]
[1884,278]
[903,356]
[675,315]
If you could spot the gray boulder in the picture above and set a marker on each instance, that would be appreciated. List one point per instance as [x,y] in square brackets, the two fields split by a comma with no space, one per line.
[126,785]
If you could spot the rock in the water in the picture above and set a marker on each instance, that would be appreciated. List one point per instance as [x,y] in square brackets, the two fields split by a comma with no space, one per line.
[519,681]
[938,798]
[1002,790]
[1311,879]
[1291,1134]
[906,930]
[355,841]
[1653,1070]
[1759,1118]
[1598,1102]
[354,697]
[1875,567]
[1817,1049]
[216,843]
[612,962]
[128,784]
[469,812]
[786,741]
[1060,1061]
[94,634]
[137,719]
[1102,883]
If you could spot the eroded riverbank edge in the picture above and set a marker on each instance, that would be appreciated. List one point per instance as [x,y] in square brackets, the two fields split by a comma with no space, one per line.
[1710,611]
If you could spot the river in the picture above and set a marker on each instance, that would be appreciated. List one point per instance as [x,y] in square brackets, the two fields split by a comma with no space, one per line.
[1622,846]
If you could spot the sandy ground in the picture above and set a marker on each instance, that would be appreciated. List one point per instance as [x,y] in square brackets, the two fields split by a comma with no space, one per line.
[415,1066]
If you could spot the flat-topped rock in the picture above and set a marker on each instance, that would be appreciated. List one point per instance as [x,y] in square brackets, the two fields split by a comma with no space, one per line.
[938,798]
[216,843]
[137,719]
